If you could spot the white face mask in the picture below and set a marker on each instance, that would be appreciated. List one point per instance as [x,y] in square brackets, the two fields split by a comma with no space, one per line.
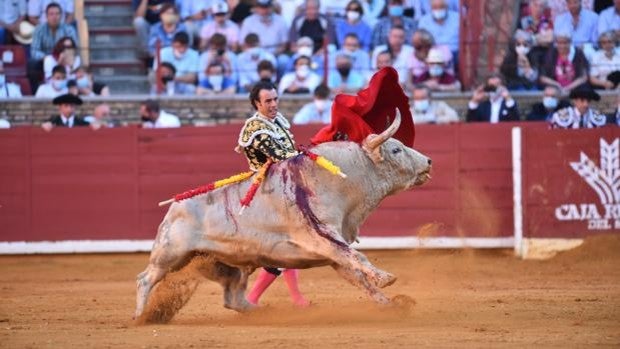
[550,102]
[304,51]
[439,14]
[421,105]
[216,82]
[320,104]
[303,71]
[522,50]
[353,16]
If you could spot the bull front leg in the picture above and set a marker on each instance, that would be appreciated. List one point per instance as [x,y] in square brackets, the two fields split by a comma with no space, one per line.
[359,279]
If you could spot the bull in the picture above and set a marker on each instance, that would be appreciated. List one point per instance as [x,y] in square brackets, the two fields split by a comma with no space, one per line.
[303,217]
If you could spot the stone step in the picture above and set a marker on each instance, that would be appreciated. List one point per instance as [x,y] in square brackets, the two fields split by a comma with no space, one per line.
[121,36]
[112,53]
[99,7]
[120,85]
[109,20]
[105,68]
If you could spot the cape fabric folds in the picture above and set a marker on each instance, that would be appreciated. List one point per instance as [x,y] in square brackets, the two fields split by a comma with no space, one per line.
[371,111]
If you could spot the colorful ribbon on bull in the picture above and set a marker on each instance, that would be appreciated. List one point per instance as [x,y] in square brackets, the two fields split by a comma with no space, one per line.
[256,182]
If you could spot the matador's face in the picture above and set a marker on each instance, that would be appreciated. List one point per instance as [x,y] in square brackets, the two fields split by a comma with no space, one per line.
[267,103]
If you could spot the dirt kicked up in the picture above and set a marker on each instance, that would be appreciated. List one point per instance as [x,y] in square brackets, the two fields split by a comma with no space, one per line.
[462,298]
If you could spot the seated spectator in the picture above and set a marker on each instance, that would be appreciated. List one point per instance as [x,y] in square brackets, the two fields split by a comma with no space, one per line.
[164,31]
[154,117]
[36,10]
[542,111]
[344,79]
[217,52]
[8,89]
[310,23]
[266,72]
[335,8]
[609,20]
[425,110]
[560,6]
[100,117]
[222,25]
[289,9]
[373,10]
[248,61]
[305,47]
[422,42]
[44,39]
[605,62]
[63,54]
[395,18]
[400,52]
[165,73]
[185,61]
[195,14]
[539,23]
[354,24]
[443,24]
[303,80]
[10,19]
[423,7]
[359,58]
[55,86]
[319,111]
[383,59]
[145,16]
[269,26]
[582,23]
[492,103]
[580,114]
[86,86]
[437,78]
[519,68]
[66,118]
[565,65]
[241,11]
[215,82]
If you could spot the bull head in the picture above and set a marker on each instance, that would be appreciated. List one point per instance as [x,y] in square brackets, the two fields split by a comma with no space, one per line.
[372,143]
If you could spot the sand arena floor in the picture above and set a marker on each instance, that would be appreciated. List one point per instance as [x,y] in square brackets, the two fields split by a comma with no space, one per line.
[463,298]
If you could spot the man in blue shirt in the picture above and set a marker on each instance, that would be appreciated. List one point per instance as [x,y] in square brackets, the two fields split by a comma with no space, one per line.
[581,22]
[344,79]
[186,62]
[317,111]
[609,19]
[443,24]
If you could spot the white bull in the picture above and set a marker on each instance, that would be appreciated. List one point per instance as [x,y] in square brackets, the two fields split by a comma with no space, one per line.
[302,217]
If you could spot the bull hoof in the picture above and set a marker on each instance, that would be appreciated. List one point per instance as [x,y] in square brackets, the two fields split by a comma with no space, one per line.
[386,280]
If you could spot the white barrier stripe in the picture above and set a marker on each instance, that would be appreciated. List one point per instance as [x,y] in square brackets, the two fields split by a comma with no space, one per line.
[123,246]
[517,177]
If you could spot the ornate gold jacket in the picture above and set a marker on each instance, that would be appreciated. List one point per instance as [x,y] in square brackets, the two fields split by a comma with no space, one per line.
[262,138]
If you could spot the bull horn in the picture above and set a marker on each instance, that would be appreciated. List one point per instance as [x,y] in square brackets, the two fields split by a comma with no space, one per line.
[385,135]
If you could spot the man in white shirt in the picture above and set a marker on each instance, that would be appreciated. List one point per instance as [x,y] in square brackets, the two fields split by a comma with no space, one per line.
[56,86]
[425,110]
[153,117]
[8,89]
[269,26]
[36,10]
[399,51]
[317,111]
[492,103]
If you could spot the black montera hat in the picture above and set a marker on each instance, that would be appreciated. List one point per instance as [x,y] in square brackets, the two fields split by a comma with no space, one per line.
[584,92]
[67,98]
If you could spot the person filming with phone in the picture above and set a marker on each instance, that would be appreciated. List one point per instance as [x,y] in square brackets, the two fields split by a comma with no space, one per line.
[492,103]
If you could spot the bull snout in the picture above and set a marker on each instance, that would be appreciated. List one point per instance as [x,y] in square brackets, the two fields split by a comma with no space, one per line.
[425,174]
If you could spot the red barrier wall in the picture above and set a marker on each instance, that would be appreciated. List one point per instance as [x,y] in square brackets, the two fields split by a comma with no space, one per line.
[558,201]
[81,184]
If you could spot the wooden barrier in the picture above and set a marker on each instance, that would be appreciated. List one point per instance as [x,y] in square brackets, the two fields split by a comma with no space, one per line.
[80,184]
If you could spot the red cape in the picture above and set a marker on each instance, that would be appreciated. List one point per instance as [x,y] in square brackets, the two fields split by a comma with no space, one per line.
[371,111]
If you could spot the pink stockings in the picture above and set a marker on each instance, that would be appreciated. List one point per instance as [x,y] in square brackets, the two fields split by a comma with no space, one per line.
[265,279]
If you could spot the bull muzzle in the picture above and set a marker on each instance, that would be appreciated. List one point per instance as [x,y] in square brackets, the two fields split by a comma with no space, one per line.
[424,175]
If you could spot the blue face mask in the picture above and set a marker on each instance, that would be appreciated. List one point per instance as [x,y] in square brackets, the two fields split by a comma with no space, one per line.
[550,102]
[435,70]
[83,82]
[395,11]
[59,84]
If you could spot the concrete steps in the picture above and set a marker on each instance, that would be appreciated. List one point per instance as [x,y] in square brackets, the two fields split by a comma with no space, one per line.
[113,45]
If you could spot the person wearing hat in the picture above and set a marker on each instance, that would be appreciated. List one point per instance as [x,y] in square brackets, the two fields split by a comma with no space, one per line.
[66,118]
[580,114]
[220,24]
[437,78]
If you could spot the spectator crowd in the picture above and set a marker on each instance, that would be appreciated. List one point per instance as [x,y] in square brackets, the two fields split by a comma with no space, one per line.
[210,47]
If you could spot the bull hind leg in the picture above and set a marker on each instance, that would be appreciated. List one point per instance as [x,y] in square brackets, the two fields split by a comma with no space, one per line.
[233,280]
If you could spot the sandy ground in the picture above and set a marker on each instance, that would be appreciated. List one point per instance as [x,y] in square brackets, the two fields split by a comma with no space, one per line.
[463,298]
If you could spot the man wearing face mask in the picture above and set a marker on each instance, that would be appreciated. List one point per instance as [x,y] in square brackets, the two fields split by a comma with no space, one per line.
[165,30]
[318,111]
[425,110]
[153,117]
[443,24]
[302,80]
[580,114]
[56,86]
[359,58]
[492,103]
[66,118]
[185,61]
[344,79]
[551,103]
[437,78]
[394,18]
[304,46]
[353,23]
[399,50]
[8,89]
[248,61]
[215,82]
[310,23]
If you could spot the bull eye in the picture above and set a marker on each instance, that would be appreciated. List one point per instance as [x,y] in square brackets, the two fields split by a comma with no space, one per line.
[396,150]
